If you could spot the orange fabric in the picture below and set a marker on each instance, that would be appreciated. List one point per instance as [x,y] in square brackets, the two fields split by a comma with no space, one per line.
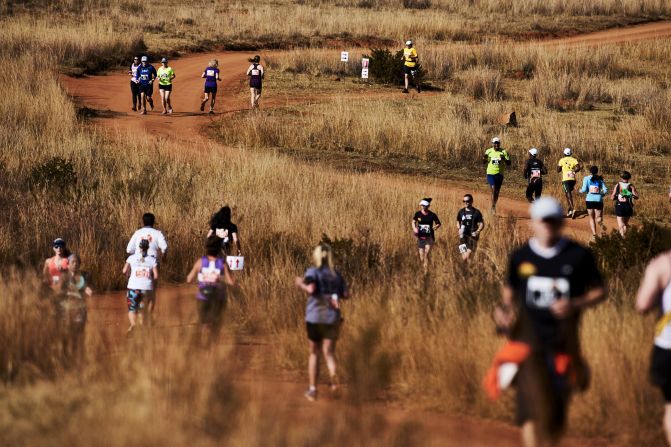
[562,363]
[56,268]
[511,352]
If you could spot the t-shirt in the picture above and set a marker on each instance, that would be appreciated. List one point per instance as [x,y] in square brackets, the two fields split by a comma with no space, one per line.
[539,277]
[145,74]
[165,75]
[225,232]
[156,241]
[211,76]
[141,275]
[469,218]
[425,224]
[133,72]
[595,188]
[534,169]
[568,166]
[408,55]
[496,160]
[328,282]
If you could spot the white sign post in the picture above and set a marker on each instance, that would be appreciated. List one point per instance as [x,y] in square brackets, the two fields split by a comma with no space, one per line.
[235,262]
[344,56]
[364,68]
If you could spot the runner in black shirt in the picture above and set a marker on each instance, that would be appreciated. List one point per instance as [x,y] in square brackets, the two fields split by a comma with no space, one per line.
[424,225]
[534,169]
[470,224]
[227,231]
[550,280]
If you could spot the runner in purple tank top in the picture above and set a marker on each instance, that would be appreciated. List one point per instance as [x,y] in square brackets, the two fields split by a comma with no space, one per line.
[212,274]
[211,75]
[256,74]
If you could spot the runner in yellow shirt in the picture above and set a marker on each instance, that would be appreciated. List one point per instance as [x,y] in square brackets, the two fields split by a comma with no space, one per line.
[165,76]
[496,158]
[568,166]
[410,65]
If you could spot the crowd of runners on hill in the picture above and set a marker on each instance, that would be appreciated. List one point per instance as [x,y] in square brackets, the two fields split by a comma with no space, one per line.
[550,280]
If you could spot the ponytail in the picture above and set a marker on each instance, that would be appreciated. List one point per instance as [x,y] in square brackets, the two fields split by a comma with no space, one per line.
[323,256]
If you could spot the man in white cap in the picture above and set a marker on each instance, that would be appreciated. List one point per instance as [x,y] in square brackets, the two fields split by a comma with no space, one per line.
[496,158]
[410,65]
[568,166]
[534,169]
[550,281]
[424,225]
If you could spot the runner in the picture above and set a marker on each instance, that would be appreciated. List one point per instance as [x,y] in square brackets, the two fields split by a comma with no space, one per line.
[655,293]
[212,273]
[165,76]
[410,66]
[550,280]
[72,306]
[424,226]
[494,155]
[134,83]
[623,195]
[325,287]
[534,169]
[568,166]
[211,75]
[470,225]
[157,249]
[145,75]
[142,271]
[55,266]
[256,75]
[595,187]
[227,231]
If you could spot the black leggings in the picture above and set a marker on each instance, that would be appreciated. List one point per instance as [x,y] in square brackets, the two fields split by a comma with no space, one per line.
[135,92]
[534,190]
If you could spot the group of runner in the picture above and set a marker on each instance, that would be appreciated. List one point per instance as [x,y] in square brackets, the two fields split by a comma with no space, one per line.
[593,185]
[143,75]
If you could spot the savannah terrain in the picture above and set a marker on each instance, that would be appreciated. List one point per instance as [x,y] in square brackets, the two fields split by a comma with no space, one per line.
[323,159]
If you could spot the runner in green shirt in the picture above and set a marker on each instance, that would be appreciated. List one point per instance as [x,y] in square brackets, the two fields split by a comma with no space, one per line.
[165,76]
[496,157]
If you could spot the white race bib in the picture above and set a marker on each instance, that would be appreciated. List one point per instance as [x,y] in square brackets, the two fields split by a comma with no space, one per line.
[543,292]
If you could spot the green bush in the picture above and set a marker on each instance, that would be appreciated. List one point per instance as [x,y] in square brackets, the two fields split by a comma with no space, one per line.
[387,68]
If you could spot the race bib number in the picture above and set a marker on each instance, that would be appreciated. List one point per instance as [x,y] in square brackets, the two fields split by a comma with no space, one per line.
[496,161]
[594,189]
[256,72]
[55,279]
[570,175]
[209,72]
[142,273]
[463,248]
[543,292]
[425,229]
[209,275]
[621,198]
[535,173]
[144,77]
[164,75]
[222,234]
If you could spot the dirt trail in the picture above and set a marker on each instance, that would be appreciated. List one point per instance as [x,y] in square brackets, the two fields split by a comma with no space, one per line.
[109,94]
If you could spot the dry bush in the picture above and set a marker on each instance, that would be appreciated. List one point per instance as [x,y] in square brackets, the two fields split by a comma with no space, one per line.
[484,84]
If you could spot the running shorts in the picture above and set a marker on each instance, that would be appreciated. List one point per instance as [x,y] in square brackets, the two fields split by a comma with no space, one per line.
[568,185]
[470,242]
[495,180]
[660,371]
[318,331]
[211,311]
[211,89]
[134,300]
[623,209]
[167,88]
[410,71]
[423,242]
[147,89]
[594,205]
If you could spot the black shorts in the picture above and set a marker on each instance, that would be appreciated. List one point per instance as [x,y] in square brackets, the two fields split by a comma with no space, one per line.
[594,205]
[318,332]
[470,242]
[568,185]
[623,209]
[410,71]
[660,371]
[147,89]
[423,242]
[167,88]
[543,396]
[211,311]
[259,88]
[211,89]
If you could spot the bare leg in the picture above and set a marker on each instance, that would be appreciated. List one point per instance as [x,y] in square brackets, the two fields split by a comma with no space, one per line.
[253,96]
[163,102]
[495,195]
[203,102]
[212,101]
[529,435]
[427,250]
[313,363]
[599,220]
[406,81]
[143,102]
[592,221]
[168,94]
[328,348]
[257,97]
[132,319]
[667,422]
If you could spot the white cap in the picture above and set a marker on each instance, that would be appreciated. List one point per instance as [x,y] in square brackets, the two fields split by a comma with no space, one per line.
[533,151]
[408,42]
[567,151]
[424,203]
[496,140]
[144,59]
[165,59]
[546,208]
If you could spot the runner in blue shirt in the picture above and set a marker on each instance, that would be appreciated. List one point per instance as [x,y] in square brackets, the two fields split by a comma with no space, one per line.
[211,75]
[145,75]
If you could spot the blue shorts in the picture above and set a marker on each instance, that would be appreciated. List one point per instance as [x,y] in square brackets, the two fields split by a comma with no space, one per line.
[134,300]
[495,180]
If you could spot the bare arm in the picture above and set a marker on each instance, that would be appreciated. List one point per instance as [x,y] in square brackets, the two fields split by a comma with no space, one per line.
[504,313]
[565,307]
[126,269]
[154,272]
[194,271]
[414,226]
[634,192]
[227,277]
[651,285]
[236,239]
[578,168]
[307,288]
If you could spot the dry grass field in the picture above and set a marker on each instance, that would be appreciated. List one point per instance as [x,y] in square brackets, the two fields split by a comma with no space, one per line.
[423,342]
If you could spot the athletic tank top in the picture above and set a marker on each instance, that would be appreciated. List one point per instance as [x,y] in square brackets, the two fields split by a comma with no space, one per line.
[255,76]
[209,276]
[663,327]
[56,269]
[624,195]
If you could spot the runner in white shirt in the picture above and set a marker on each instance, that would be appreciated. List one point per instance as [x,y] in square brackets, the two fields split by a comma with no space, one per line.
[142,271]
[158,247]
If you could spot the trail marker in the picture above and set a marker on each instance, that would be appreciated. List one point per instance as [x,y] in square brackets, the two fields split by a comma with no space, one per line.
[344,56]
[235,262]
[364,67]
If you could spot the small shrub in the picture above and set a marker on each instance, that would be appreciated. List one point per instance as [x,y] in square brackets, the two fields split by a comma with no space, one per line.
[485,84]
[416,4]
[56,173]
[355,258]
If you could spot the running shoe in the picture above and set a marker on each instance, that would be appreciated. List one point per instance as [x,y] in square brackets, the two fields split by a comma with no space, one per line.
[211,112]
[170,111]
[202,106]
[311,395]
[130,329]
[165,112]
[144,112]
[134,109]
[569,213]
[405,90]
